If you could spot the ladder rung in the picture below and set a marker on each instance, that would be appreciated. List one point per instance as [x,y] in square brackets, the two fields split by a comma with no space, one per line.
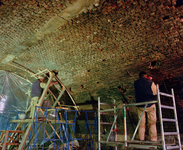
[12,143]
[165,94]
[173,147]
[107,110]
[108,114]
[168,107]
[107,104]
[169,120]
[105,123]
[171,133]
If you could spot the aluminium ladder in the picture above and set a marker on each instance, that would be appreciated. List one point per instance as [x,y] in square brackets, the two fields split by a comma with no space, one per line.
[106,123]
[162,120]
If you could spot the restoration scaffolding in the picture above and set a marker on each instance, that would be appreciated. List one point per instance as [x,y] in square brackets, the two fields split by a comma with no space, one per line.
[130,141]
[49,124]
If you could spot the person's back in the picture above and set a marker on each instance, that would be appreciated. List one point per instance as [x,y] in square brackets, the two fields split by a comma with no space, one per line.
[143,91]
[36,89]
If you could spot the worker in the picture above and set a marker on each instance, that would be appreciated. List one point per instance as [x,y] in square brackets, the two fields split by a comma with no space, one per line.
[145,90]
[36,92]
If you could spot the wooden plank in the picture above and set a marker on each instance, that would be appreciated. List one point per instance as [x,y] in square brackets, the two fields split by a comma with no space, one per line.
[12,143]
[11,138]
[30,121]
[39,73]
[68,106]
[62,108]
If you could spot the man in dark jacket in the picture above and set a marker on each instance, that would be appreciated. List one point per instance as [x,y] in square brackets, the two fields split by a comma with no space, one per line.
[145,90]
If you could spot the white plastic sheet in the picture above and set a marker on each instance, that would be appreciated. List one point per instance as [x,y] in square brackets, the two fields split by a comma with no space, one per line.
[14,95]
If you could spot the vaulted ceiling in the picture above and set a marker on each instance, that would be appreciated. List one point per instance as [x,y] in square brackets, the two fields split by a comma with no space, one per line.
[96,45]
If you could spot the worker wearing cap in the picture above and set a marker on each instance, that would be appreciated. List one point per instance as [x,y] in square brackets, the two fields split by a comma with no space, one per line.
[36,91]
[145,90]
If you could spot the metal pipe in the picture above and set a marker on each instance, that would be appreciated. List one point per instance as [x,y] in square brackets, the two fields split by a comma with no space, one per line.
[177,125]
[115,117]
[115,123]
[125,128]
[138,123]
[161,122]
[99,146]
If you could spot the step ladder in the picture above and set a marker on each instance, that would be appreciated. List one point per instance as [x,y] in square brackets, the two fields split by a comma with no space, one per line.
[100,112]
[162,120]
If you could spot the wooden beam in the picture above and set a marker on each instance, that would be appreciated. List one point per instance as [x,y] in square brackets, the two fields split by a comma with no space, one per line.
[30,121]
[5,140]
[39,73]
[58,98]
[45,90]
[68,94]
[25,136]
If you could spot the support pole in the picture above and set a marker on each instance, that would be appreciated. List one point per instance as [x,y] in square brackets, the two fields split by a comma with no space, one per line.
[5,140]
[68,94]
[46,89]
[99,145]
[125,128]
[139,123]
[115,126]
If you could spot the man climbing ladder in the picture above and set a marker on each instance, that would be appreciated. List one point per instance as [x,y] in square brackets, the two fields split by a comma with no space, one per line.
[36,91]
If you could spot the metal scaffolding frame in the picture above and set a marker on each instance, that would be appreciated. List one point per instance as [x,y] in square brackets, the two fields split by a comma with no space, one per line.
[59,125]
[62,125]
[139,144]
[63,129]
[106,123]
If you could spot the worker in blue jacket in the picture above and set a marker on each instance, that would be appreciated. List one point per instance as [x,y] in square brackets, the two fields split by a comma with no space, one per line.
[145,90]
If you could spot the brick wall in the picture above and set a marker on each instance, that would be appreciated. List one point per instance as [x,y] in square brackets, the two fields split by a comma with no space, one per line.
[101,49]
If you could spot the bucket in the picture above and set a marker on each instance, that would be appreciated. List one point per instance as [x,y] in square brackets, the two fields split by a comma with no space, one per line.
[21,116]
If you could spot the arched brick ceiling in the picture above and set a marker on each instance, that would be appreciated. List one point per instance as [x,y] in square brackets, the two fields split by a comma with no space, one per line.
[93,44]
